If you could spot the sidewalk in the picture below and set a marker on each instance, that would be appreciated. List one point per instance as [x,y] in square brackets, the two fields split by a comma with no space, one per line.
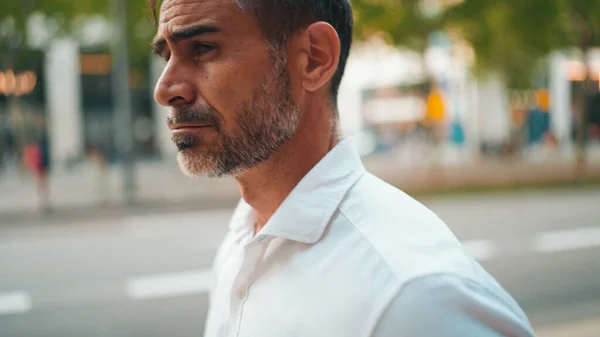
[161,185]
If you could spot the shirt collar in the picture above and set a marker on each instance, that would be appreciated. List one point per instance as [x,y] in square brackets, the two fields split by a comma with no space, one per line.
[305,213]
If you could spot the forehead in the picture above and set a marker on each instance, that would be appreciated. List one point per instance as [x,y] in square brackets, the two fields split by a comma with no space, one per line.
[184,12]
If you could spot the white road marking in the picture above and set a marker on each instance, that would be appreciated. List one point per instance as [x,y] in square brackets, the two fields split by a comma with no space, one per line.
[200,281]
[17,302]
[565,240]
[481,250]
[167,285]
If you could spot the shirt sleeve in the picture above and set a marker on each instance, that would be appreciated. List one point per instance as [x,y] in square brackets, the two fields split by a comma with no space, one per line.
[449,306]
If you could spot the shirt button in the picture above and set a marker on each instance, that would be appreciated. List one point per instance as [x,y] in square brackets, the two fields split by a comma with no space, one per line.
[241,293]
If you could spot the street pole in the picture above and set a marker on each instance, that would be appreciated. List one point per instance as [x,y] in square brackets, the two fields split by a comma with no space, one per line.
[122,102]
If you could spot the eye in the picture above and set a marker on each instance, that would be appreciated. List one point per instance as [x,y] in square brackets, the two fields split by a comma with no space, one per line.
[201,49]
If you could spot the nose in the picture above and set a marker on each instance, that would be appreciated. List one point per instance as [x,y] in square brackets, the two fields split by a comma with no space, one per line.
[173,88]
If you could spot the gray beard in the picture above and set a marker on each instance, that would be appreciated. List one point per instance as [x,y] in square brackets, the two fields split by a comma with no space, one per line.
[262,126]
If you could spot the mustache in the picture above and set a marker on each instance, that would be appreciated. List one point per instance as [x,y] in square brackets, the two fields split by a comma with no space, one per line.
[205,115]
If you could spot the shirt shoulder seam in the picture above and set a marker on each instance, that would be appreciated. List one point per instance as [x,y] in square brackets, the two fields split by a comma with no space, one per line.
[403,285]
[390,269]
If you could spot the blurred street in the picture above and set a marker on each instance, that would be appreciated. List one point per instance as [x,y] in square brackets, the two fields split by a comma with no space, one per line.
[162,182]
[149,275]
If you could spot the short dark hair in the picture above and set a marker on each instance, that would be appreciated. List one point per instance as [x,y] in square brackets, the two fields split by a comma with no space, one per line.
[280,19]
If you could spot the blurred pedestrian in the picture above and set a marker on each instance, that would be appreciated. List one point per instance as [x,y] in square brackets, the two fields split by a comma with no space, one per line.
[36,160]
[99,163]
[317,246]
[435,123]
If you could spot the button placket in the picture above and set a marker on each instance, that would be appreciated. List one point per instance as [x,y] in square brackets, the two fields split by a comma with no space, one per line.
[253,253]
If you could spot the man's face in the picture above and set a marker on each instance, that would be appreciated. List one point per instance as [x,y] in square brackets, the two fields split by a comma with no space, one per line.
[229,92]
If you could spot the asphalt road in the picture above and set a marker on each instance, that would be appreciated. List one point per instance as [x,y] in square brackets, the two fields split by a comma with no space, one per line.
[148,275]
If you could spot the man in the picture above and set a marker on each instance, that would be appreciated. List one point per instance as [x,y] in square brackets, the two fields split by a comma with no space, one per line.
[317,246]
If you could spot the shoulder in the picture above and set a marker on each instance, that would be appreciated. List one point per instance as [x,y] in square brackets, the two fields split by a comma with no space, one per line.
[449,305]
[411,239]
[439,286]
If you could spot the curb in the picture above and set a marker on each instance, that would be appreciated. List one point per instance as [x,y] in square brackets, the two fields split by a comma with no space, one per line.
[434,188]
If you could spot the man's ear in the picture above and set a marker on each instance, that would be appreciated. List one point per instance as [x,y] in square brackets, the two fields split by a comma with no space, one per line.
[319,55]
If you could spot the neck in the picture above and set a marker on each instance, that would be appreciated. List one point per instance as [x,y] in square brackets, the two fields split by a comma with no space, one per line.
[267,185]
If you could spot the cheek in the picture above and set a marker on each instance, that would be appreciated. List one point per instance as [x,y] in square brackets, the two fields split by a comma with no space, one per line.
[220,89]
[229,85]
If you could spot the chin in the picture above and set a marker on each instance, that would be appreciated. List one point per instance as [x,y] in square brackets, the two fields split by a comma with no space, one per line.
[196,166]
[191,165]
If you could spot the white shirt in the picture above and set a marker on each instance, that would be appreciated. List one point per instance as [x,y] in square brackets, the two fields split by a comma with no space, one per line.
[348,255]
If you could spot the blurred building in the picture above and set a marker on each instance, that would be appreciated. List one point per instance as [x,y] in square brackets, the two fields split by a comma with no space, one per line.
[385,92]
[79,106]
[22,107]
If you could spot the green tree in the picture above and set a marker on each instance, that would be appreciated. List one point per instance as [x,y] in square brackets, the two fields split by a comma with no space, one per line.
[512,37]
[405,23]
[64,16]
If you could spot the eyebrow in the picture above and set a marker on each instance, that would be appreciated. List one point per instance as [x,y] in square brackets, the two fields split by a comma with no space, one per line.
[160,43]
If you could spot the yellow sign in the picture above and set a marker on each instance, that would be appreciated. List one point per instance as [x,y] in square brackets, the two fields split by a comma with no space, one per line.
[542,98]
[436,110]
